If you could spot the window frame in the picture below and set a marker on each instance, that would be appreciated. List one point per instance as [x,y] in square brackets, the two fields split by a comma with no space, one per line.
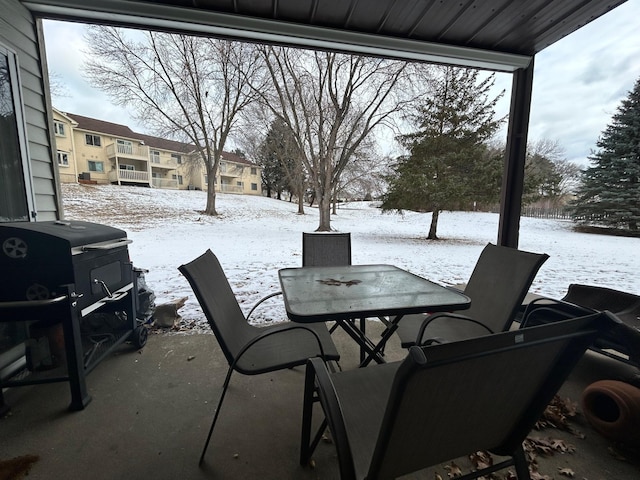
[58,128]
[15,83]
[95,163]
[59,155]
[93,140]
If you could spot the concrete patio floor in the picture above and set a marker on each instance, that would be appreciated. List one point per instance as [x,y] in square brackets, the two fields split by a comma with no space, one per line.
[151,411]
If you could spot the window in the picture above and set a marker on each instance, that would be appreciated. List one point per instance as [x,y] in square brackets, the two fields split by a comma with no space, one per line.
[96,166]
[254,171]
[124,166]
[16,196]
[92,140]
[223,167]
[155,156]
[176,158]
[206,179]
[239,184]
[178,178]
[254,187]
[58,128]
[63,159]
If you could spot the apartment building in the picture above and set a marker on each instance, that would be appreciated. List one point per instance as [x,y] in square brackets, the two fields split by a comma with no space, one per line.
[95,151]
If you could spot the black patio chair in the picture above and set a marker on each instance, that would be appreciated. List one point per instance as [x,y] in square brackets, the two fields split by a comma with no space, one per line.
[326,249]
[498,284]
[248,349]
[445,401]
[621,343]
[319,249]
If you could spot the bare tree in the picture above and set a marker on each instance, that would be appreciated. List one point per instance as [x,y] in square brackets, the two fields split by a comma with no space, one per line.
[186,88]
[331,103]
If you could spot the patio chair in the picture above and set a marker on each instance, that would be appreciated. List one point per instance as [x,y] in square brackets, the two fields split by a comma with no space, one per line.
[319,249]
[582,299]
[248,349]
[498,284]
[444,401]
[326,249]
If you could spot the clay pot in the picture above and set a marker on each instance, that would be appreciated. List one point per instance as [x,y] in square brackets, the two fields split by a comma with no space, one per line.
[613,409]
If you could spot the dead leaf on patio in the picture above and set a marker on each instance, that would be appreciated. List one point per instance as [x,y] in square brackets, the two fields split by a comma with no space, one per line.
[567,472]
[17,467]
[558,414]
[562,446]
[538,476]
[481,460]
[453,470]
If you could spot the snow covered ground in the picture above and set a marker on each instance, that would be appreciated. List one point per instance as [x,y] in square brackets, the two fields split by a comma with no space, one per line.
[255,236]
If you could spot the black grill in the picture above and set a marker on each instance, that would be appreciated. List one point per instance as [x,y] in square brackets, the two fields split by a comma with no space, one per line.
[38,258]
[73,285]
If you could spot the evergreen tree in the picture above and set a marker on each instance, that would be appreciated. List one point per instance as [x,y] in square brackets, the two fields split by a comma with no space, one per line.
[449,165]
[275,158]
[610,189]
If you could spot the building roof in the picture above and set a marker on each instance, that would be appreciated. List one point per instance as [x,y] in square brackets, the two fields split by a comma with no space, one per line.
[122,131]
[100,126]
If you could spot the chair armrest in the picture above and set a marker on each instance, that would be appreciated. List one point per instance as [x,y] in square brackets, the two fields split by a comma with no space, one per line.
[436,316]
[271,295]
[319,378]
[272,331]
[555,309]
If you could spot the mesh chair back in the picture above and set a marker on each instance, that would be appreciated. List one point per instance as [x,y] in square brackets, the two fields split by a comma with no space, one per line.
[326,249]
[498,284]
[481,394]
[218,302]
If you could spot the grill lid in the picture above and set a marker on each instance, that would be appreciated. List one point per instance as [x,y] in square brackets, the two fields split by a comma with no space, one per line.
[73,233]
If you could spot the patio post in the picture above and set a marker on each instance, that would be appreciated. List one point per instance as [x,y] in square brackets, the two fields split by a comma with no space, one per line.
[513,174]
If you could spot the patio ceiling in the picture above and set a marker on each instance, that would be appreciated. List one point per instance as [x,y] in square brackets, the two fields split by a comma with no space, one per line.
[493,34]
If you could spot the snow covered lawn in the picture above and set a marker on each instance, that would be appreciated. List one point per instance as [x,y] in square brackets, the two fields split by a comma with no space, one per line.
[255,236]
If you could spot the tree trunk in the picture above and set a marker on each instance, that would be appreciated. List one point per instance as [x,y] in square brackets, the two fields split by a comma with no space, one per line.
[211,198]
[434,225]
[300,205]
[324,212]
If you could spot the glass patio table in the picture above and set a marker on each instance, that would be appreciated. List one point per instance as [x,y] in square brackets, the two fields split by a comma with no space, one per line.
[345,294]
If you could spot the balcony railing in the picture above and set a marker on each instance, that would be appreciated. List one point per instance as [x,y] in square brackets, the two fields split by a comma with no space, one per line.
[164,183]
[168,163]
[122,175]
[230,188]
[130,151]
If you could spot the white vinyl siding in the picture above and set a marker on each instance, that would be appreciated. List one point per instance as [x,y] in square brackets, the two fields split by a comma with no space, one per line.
[18,33]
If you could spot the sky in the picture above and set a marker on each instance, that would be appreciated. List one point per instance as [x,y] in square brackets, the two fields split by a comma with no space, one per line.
[256,236]
[579,81]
